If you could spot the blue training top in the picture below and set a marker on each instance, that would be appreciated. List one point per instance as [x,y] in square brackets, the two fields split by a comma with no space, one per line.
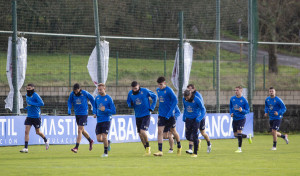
[198,94]
[272,105]
[140,102]
[33,105]
[80,102]
[193,108]
[235,104]
[167,102]
[110,109]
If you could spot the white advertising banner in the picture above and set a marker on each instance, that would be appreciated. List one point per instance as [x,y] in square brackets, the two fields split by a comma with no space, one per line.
[93,66]
[188,60]
[21,69]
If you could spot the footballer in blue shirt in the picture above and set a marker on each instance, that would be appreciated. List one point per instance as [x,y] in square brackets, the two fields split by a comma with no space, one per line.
[79,99]
[194,112]
[34,102]
[238,108]
[275,108]
[138,99]
[191,87]
[166,114]
[104,109]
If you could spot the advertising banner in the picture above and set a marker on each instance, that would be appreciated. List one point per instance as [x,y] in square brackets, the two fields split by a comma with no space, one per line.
[63,129]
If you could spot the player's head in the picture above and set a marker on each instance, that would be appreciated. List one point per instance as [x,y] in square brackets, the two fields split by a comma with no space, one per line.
[76,89]
[191,87]
[161,81]
[135,87]
[272,92]
[238,91]
[187,94]
[30,89]
[101,89]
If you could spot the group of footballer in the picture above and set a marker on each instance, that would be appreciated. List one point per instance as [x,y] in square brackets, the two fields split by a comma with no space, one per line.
[168,112]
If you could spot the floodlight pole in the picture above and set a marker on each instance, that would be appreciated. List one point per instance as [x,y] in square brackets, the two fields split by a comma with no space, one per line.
[14,58]
[97,32]
[218,56]
[181,61]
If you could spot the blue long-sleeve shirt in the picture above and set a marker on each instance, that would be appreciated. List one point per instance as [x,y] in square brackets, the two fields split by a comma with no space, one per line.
[33,105]
[110,109]
[235,104]
[198,94]
[167,102]
[272,105]
[194,109]
[177,112]
[140,102]
[80,103]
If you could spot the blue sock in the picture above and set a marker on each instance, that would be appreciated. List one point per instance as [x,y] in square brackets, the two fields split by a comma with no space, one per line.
[282,136]
[208,143]
[190,146]
[26,144]
[105,150]
[274,144]
[160,147]
[77,145]
[147,144]
[45,139]
[240,139]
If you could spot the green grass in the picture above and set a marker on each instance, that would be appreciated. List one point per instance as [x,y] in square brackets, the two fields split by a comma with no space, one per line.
[53,70]
[126,159]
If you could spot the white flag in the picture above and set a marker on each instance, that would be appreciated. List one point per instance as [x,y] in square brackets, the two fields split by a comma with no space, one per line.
[93,67]
[188,60]
[21,69]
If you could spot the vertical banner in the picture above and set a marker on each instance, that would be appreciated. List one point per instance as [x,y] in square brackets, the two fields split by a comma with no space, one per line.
[188,60]
[92,65]
[63,129]
[21,67]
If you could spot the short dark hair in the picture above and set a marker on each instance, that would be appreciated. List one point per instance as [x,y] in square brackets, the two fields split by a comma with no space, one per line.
[161,79]
[271,88]
[30,84]
[186,93]
[239,87]
[134,84]
[76,86]
[191,85]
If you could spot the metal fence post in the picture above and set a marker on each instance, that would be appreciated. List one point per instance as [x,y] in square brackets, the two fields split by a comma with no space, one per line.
[97,32]
[165,63]
[70,70]
[264,73]
[181,60]
[214,72]
[117,68]
[218,55]
[14,58]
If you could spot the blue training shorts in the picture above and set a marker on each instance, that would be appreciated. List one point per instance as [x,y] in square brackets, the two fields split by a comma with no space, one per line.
[142,123]
[275,124]
[238,124]
[36,122]
[102,127]
[81,120]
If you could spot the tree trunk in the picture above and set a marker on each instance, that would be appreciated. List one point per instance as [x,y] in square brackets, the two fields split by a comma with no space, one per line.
[273,68]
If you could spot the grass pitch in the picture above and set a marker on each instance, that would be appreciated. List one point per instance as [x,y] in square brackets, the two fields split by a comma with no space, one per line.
[126,159]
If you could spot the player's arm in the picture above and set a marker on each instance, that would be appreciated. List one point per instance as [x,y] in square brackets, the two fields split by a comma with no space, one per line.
[91,98]
[202,110]
[111,108]
[70,100]
[246,107]
[38,101]
[129,101]
[95,107]
[174,103]
[282,106]
[266,108]
[154,99]
[231,108]
[184,113]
